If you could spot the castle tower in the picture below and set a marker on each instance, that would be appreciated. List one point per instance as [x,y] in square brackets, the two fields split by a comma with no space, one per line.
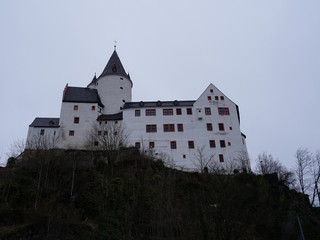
[113,85]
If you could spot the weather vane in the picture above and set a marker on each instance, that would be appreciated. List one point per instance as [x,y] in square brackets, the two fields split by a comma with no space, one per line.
[115,45]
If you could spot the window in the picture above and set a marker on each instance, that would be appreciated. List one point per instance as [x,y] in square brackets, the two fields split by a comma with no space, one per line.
[209,126]
[121,87]
[173,145]
[137,145]
[178,111]
[221,126]
[76,120]
[116,122]
[216,98]
[191,144]
[105,122]
[54,133]
[151,144]
[137,113]
[96,143]
[222,98]
[230,128]
[229,143]
[105,132]
[207,111]
[168,127]
[189,111]
[167,112]
[223,111]
[150,112]
[184,156]
[209,98]
[71,133]
[99,133]
[212,143]
[115,133]
[221,159]
[151,128]
[180,127]
[93,108]
[211,90]
[222,144]
[75,107]
[42,132]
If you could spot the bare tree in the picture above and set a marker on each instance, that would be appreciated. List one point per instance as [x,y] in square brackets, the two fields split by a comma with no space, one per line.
[315,172]
[266,164]
[303,161]
[108,137]
[42,142]
[201,160]
[16,148]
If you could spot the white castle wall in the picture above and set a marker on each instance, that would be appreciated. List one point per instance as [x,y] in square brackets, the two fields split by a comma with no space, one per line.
[36,140]
[114,91]
[87,117]
[194,129]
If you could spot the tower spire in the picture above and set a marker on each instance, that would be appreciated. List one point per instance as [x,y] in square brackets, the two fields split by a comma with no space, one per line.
[115,45]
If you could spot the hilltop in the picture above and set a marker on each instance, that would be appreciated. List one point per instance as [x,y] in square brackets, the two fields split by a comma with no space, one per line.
[76,195]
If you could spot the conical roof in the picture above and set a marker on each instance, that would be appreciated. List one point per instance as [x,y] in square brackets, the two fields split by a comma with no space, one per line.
[114,67]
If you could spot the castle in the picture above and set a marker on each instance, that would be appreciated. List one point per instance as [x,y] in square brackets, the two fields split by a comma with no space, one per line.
[185,132]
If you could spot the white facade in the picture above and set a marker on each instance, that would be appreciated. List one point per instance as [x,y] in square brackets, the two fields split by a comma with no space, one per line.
[174,130]
[201,127]
[114,91]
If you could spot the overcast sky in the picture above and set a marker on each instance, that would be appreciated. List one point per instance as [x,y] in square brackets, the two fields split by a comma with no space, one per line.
[264,55]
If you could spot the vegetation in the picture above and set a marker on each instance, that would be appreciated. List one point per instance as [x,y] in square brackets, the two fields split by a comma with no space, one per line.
[61,194]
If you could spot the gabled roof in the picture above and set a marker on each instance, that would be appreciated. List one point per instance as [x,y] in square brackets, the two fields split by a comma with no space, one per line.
[114,67]
[105,117]
[158,104]
[45,122]
[85,95]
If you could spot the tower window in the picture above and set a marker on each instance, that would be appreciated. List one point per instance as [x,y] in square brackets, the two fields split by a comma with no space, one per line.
[223,111]
[212,143]
[173,145]
[151,128]
[137,113]
[76,120]
[221,126]
[178,111]
[167,112]
[209,126]
[150,112]
[189,111]
[191,144]
[168,127]
[222,144]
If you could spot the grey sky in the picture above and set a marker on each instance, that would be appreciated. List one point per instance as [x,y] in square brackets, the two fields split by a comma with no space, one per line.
[264,55]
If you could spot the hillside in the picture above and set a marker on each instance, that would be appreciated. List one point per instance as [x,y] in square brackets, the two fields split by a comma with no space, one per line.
[76,195]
